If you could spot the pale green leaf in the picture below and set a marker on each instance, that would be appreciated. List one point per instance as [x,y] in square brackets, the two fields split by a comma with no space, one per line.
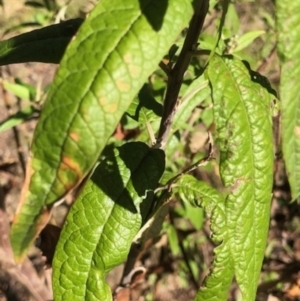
[246,39]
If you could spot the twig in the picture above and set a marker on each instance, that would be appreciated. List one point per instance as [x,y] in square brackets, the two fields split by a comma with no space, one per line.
[175,78]
[150,132]
[267,60]
[135,248]
[191,168]
[176,74]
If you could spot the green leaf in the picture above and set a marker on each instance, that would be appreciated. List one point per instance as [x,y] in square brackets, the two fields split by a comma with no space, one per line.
[200,194]
[173,240]
[17,118]
[22,91]
[242,112]
[207,41]
[289,54]
[45,45]
[144,107]
[194,216]
[264,82]
[104,220]
[116,49]
[247,38]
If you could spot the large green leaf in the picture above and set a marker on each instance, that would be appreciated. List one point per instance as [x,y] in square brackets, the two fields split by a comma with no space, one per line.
[45,45]
[104,220]
[200,194]
[288,20]
[242,112]
[114,52]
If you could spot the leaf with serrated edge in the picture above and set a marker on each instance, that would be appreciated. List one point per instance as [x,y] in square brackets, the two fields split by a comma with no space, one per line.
[289,55]
[200,194]
[242,112]
[116,49]
[103,222]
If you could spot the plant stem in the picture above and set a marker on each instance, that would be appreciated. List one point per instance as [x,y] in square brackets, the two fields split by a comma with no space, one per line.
[177,72]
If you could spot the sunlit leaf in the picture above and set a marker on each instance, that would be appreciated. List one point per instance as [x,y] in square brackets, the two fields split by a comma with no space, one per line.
[289,53]
[242,111]
[116,49]
[104,220]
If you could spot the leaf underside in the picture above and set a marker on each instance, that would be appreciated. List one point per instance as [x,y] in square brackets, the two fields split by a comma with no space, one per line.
[115,50]
[46,45]
[289,54]
[102,223]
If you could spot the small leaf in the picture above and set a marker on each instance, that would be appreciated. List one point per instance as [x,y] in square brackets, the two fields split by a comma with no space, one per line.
[247,38]
[173,240]
[20,90]
[144,107]
[172,51]
[103,222]
[118,46]
[17,118]
[45,45]
[289,54]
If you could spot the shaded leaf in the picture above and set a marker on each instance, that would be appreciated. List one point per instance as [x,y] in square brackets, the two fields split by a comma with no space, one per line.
[104,220]
[144,108]
[47,242]
[45,45]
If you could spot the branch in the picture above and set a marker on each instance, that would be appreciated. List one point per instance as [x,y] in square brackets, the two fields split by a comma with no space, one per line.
[176,74]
